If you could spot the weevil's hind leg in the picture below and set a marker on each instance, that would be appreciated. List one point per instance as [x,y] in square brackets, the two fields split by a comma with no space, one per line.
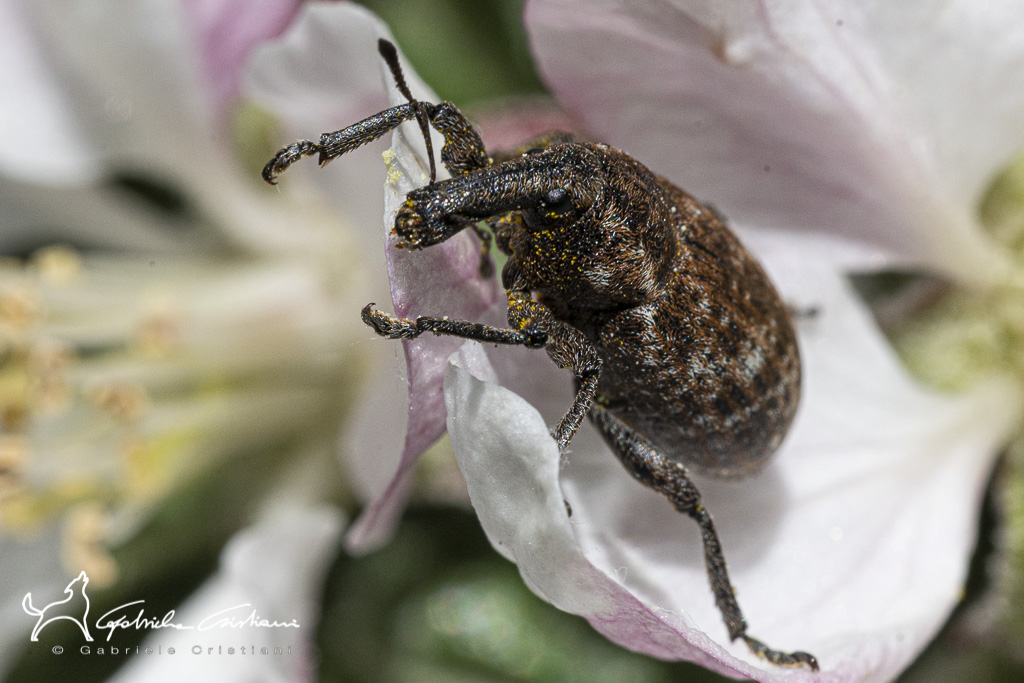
[670,479]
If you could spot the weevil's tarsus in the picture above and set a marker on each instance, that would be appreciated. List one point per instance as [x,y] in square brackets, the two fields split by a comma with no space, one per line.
[286,157]
[790,659]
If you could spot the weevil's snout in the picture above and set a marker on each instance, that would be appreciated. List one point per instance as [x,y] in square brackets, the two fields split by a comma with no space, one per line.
[423,220]
[409,227]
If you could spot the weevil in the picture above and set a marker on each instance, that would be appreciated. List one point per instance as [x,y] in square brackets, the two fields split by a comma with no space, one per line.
[683,353]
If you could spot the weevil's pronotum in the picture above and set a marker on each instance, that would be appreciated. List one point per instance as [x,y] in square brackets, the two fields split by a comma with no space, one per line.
[682,351]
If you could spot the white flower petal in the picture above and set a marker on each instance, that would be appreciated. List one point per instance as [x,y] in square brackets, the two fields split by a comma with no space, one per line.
[788,114]
[38,137]
[133,76]
[276,566]
[325,73]
[36,213]
[852,545]
[227,31]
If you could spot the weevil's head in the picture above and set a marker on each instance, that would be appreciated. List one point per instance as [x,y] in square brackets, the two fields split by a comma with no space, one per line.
[552,188]
[587,224]
[597,234]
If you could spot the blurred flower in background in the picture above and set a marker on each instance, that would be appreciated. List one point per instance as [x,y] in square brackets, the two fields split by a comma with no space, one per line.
[179,345]
[181,361]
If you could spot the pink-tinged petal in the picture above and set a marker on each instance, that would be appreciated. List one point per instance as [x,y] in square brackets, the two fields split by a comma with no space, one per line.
[853,544]
[227,32]
[39,140]
[442,280]
[277,567]
[853,119]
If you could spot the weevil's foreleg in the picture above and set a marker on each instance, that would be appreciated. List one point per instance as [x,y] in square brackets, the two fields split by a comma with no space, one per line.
[463,149]
[339,142]
[670,479]
[569,349]
[403,328]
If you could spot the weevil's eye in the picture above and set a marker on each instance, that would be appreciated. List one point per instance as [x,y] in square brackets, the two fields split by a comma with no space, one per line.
[558,202]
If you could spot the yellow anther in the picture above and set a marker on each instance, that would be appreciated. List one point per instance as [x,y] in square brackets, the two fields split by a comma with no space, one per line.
[58,265]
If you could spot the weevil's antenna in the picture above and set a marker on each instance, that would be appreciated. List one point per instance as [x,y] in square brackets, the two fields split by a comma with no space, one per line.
[389,52]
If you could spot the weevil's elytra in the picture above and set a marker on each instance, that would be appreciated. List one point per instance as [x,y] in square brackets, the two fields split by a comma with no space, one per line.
[682,351]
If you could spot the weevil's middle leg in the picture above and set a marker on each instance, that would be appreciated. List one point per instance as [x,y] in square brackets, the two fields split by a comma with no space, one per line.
[670,479]
[567,347]
[403,328]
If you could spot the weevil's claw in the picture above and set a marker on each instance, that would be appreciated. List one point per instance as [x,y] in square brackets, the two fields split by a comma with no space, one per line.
[781,658]
[286,157]
[387,326]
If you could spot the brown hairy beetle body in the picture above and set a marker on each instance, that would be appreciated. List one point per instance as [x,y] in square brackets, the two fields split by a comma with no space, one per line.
[682,351]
